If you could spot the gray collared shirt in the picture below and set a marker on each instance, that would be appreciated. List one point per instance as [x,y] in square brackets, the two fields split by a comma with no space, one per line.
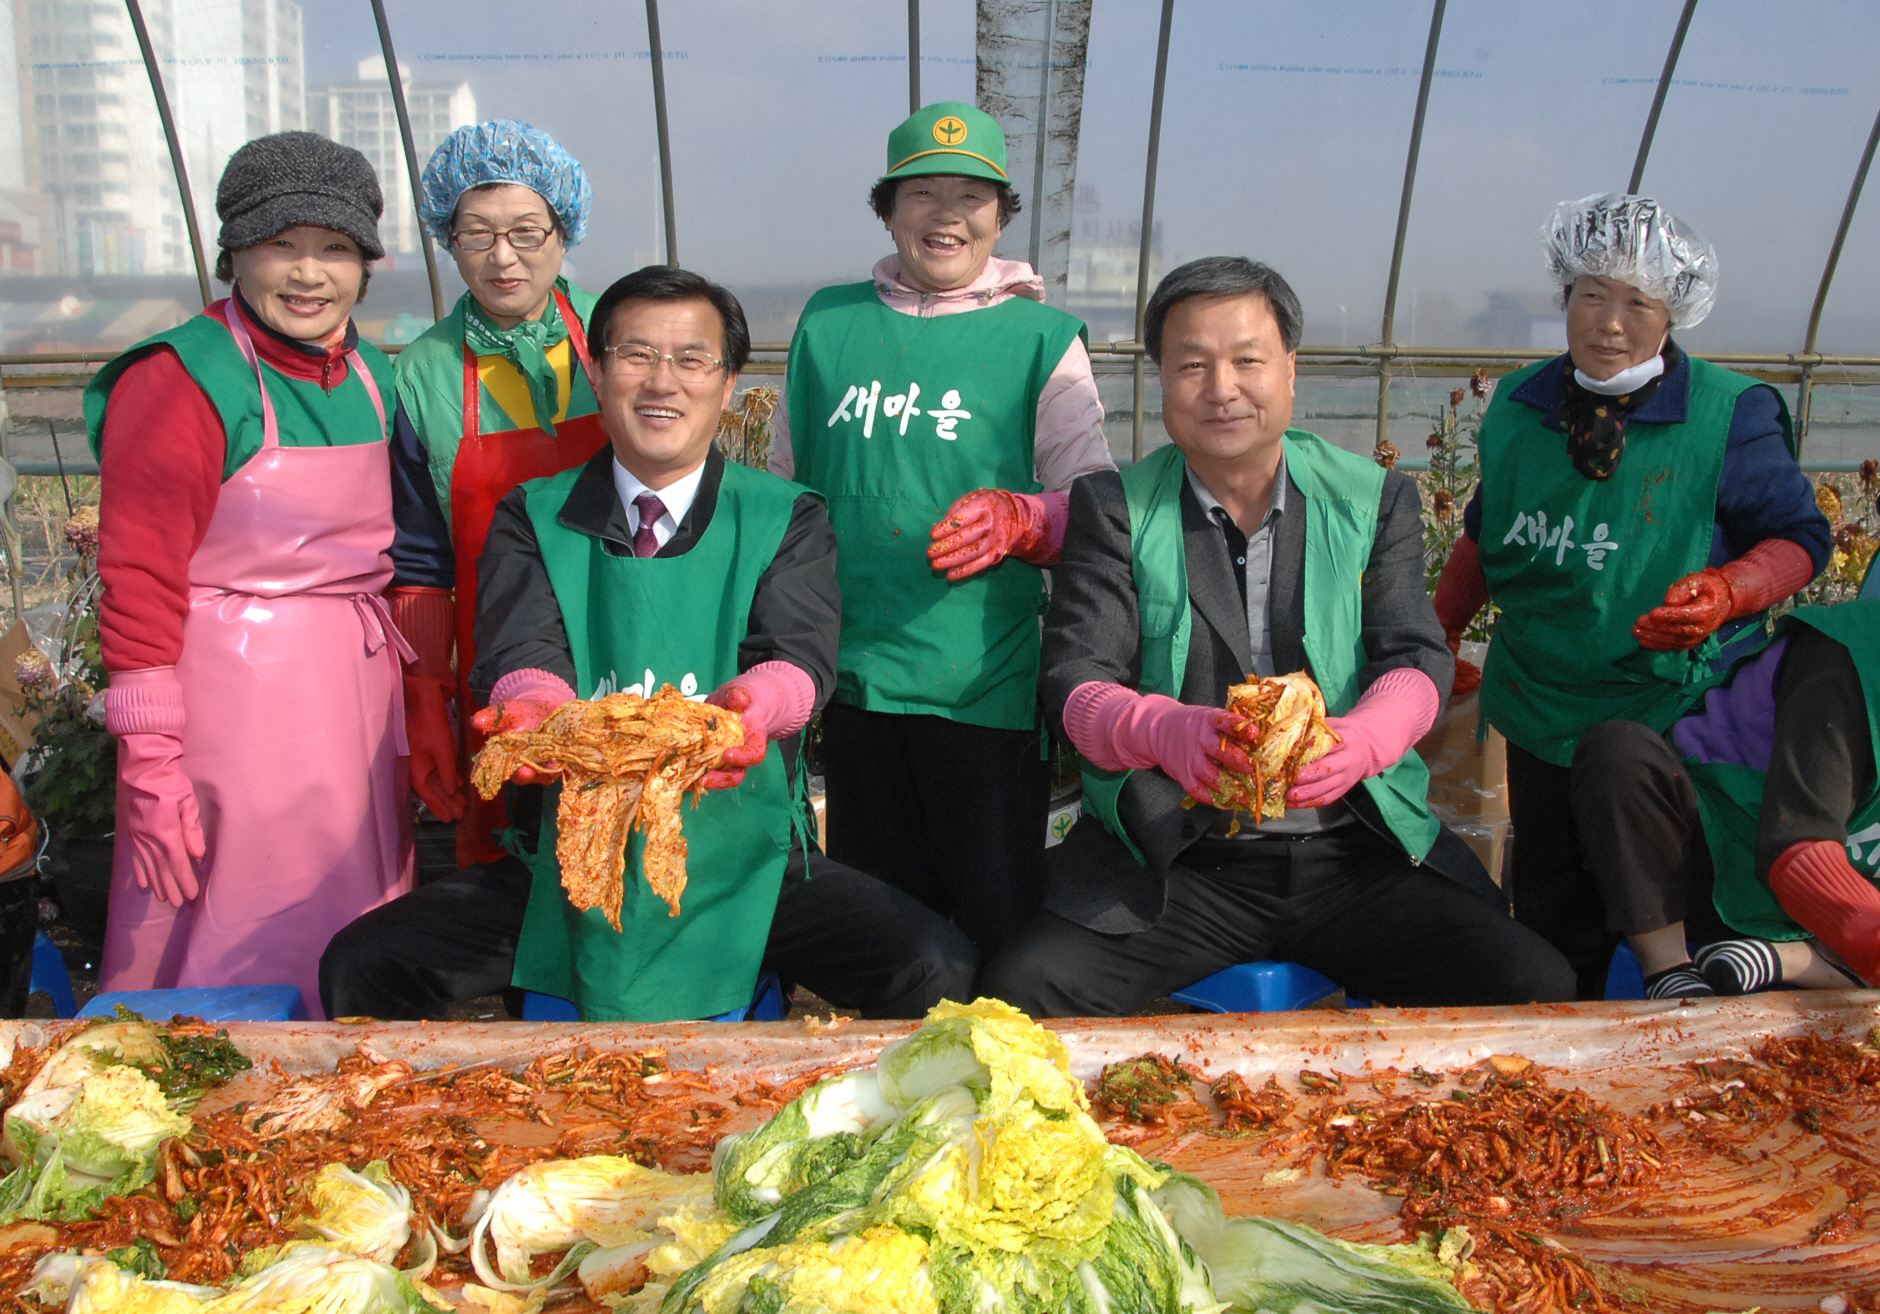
[1252,555]
[1254,560]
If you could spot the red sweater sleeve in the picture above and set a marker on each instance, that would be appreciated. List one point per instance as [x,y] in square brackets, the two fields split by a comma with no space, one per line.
[161,472]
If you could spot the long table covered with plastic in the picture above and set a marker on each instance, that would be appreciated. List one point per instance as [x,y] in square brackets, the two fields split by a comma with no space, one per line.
[1779,1223]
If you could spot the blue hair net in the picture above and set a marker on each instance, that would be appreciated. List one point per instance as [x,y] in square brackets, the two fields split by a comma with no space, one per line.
[503,151]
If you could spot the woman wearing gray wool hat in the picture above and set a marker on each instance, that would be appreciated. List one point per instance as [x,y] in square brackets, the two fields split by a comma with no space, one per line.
[244,546]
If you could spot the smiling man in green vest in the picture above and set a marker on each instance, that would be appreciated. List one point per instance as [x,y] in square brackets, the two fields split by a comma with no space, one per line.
[1250,546]
[657,562]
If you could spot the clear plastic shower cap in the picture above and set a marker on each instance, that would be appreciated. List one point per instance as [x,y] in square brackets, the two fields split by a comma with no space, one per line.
[1637,241]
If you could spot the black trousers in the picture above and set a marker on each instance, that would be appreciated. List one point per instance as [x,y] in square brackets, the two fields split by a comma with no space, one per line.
[856,942]
[1821,766]
[19,927]
[953,814]
[1613,845]
[1635,816]
[1547,878]
[1346,904]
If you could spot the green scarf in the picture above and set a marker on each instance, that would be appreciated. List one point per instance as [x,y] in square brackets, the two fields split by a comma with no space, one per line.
[526,346]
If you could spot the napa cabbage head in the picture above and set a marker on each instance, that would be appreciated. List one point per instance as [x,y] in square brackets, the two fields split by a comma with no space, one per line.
[79,1144]
[364,1213]
[960,1042]
[116,1124]
[880,1270]
[129,1041]
[572,1205]
[93,1285]
[808,1140]
[1031,1181]
[1264,1265]
[315,1279]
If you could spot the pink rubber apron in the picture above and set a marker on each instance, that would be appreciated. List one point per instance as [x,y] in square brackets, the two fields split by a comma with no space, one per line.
[294,723]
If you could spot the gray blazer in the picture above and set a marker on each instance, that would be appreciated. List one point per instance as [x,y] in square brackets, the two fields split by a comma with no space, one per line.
[1093,632]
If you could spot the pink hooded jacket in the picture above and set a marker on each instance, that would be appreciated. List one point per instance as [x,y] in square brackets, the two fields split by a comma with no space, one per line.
[1068,440]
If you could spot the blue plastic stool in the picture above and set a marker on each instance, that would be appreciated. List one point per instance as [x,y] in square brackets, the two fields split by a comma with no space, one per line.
[1263,987]
[767,1005]
[251,1003]
[1624,978]
[49,975]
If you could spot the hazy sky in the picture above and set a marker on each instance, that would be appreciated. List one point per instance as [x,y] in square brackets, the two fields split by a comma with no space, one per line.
[1284,135]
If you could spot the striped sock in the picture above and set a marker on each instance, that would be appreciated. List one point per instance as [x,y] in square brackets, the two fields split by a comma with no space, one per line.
[1740,967]
[1678,982]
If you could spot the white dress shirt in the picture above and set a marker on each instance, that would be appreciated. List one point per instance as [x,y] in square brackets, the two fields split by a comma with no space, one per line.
[677,497]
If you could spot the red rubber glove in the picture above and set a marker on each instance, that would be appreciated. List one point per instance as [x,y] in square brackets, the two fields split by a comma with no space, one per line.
[1818,887]
[988,525]
[1397,710]
[427,620]
[775,700]
[1697,605]
[144,709]
[1118,729]
[1461,592]
[522,700]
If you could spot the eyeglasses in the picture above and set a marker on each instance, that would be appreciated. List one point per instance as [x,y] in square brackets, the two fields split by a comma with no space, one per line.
[630,358]
[526,238]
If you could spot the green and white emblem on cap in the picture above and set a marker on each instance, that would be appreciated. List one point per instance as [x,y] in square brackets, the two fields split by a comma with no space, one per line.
[948,136]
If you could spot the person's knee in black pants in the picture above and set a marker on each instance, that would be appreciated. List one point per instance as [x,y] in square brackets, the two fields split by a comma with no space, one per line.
[445,942]
[862,944]
[1643,844]
[1032,975]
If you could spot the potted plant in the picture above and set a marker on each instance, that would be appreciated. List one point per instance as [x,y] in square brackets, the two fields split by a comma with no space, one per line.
[70,772]
[1467,760]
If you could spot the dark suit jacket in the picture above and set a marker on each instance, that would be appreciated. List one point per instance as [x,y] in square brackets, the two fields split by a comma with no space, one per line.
[1093,632]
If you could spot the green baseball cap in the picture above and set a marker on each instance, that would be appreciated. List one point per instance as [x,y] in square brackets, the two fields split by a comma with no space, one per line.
[948,136]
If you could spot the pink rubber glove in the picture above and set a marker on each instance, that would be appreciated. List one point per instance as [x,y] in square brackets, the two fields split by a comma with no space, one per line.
[774,699]
[1397,710]
[522,700]
[989,524]
[144,709]
[1118,729]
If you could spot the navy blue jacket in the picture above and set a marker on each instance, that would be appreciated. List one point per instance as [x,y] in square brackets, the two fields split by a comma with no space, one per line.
[422,556]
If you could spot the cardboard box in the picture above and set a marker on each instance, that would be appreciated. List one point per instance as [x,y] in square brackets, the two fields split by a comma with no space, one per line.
[16,726]
[1468,761]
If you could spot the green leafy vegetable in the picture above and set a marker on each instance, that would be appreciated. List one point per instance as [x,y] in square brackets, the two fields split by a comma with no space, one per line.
[198,1064]
[139,1257]
[77,1145]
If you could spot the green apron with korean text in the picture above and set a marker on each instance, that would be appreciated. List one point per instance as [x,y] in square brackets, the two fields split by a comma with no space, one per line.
[1573,562]
[635,624]
[893,418]
[1729,797]
[1342,493]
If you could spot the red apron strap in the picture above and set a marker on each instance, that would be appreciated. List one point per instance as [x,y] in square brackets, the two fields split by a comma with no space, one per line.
[576,334]
[472,395]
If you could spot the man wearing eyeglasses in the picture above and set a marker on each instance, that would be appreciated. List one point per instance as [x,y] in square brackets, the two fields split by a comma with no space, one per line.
[660,563]
[494,393]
